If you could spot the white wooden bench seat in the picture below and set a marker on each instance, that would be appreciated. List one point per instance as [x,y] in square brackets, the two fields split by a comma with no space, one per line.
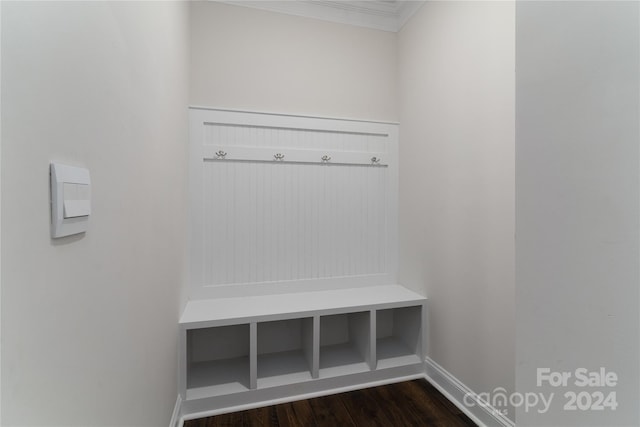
[266,347]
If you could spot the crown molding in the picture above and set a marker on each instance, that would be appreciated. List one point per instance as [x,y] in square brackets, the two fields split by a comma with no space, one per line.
[379,15]
[406,10]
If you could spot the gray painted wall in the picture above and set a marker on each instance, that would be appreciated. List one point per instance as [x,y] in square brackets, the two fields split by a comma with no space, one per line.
[456,87]
[90,323]
[577,203]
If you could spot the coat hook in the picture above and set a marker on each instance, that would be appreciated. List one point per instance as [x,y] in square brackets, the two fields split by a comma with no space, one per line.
[221,154]
[375,160]
[278,156]
[325,159]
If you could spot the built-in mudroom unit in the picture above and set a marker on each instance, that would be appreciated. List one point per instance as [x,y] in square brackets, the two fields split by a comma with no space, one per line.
[293,256]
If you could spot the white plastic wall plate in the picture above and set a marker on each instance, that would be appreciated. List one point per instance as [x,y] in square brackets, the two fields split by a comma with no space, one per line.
[70,200]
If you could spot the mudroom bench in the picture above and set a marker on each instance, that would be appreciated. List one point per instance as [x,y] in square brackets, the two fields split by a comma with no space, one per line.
[262,349]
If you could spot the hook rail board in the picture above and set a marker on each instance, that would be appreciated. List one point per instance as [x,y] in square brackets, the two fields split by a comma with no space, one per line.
[325,157]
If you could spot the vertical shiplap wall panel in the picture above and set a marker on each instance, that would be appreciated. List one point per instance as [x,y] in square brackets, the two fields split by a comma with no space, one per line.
[273,222]
[264,222]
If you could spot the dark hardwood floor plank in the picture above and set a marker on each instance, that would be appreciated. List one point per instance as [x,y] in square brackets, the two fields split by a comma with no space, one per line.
[304,413]
[365,410]
[329,411]
[410,403]
[405,413]
[263,417]
[424,395]
[286,416]
[440,398]
[428,389]
[417,401]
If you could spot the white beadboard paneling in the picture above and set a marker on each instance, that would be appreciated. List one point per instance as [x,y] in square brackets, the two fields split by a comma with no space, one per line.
[254,236]
[257,221]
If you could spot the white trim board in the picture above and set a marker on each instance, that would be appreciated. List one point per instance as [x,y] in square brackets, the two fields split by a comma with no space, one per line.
[306,116]
[453,389]
[303,396]
[234,311]
[176,419]
[447,384]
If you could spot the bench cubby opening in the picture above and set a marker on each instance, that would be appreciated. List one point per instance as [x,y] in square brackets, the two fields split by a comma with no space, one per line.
[218,360]
[345,345]
[285,351]
[398,336]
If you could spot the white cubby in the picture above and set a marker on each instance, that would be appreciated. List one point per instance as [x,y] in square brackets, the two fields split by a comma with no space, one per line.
[345,345]
[285,352]
[218,360]
[398,336]
[273,346]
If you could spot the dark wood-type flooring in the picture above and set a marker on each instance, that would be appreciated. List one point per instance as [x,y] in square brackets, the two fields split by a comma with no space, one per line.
[411,403]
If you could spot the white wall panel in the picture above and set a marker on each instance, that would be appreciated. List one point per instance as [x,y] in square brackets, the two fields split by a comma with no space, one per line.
[457,195]
[243,58]
[302,221]
[577,206]
[90,322]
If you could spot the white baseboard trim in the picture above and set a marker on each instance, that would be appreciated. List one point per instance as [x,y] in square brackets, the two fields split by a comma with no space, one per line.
[453,389]
[176,419]
[480,412]
[293,398]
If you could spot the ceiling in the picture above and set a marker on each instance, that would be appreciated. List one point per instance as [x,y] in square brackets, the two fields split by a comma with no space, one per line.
[386,15]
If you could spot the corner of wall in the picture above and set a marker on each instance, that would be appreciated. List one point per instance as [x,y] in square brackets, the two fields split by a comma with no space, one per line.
[481,412]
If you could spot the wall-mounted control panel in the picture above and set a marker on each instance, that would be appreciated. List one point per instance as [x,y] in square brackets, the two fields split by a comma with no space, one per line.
[70,199]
